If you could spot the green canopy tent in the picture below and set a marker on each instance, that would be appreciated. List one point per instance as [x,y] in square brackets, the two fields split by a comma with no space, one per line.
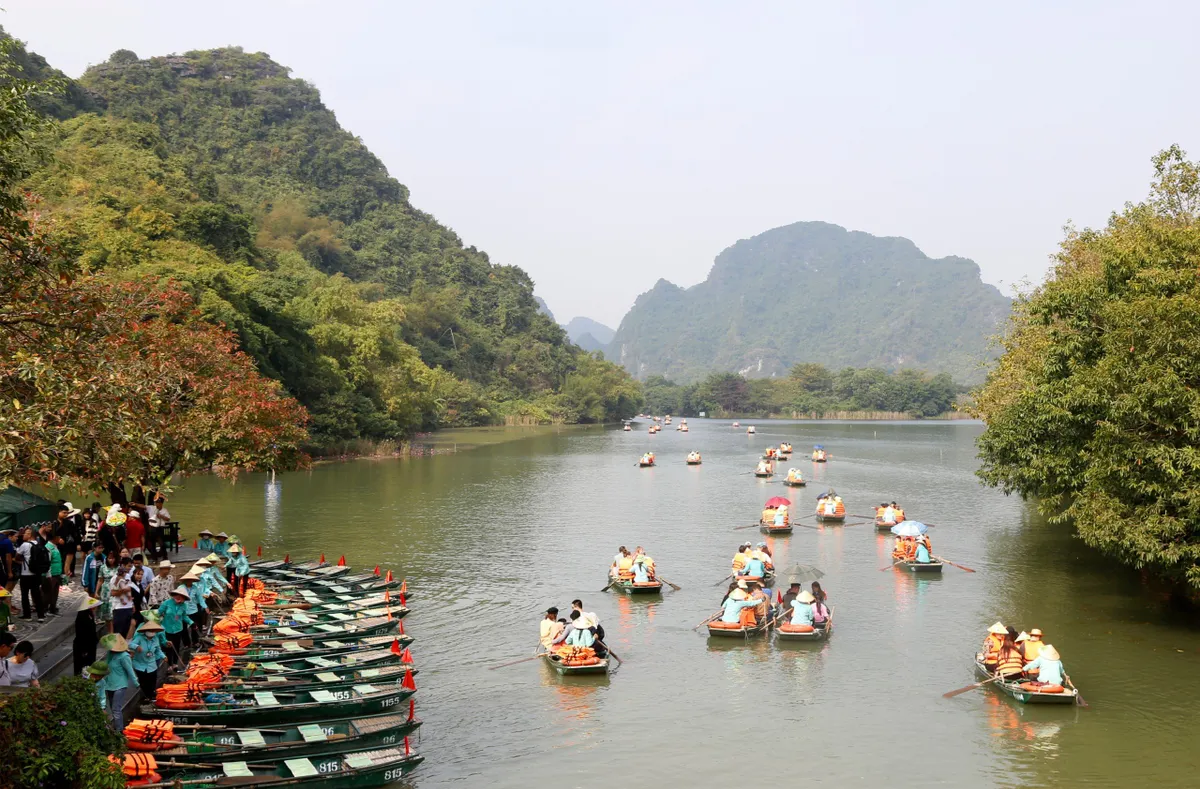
[19,508]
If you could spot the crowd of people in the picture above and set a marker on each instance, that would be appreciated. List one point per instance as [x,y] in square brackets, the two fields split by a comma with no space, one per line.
[889,514]
[636,567]
[913,549]
[1025,656]
[580,630]
[775,516]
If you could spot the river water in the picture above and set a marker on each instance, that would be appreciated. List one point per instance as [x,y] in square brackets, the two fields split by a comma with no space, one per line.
[488,538]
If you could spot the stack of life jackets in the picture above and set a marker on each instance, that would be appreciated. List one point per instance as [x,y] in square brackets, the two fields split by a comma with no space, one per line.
[576,656]
[231,644]
[185,696]
[139,769]
[209,669]
[155,735]
[261,596]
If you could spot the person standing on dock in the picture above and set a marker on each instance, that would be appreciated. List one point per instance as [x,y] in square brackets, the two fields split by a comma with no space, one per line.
[160,588]
[146,654]
[175,620]
[83,645]
[240,569]
[193,606]
[120,679]
[205,541]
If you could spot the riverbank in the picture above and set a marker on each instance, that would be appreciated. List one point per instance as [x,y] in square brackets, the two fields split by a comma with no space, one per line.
[445,442]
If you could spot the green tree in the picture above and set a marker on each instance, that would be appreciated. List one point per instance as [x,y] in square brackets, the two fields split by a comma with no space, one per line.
[1094,408]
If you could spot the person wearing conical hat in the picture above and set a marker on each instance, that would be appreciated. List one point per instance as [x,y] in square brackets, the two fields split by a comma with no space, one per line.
[83,645]
[802,610]
[240,566]
[221,544]
[990,654]
[196,606]
[147,654]
[737,599]
[175,620]
[121,677]
[1048,665]
[97,672]
[205,541]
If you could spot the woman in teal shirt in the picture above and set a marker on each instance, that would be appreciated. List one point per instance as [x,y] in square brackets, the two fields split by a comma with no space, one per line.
[1049,666]
[175,621]
[733,608]
[121,676]
[802,611]
[146,654]
[205,543]
[241,569]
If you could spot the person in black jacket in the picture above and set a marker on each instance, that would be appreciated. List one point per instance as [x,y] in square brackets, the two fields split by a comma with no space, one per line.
[84,646]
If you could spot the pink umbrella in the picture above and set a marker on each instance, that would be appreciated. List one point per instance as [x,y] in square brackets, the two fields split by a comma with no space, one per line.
[778,501]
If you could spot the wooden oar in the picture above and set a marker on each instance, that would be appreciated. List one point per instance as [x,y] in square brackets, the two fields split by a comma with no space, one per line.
[1078,696]
[890,566]
[953,693]
[860,523]
[614,654]
[668,583]
[723,580]
[952,564]
[751,526]
[515,662]
[708,619]
[610,583]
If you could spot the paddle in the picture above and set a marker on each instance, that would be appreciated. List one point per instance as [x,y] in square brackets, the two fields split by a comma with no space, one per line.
[890,566]
[515,662]
[954,693]
[708,619]
[723,580]
[952,564]
[610,583]
[1078,696]
[614,654]
[668,583]
[751,526]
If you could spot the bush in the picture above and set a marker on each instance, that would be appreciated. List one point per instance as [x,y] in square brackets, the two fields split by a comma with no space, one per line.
[57,736]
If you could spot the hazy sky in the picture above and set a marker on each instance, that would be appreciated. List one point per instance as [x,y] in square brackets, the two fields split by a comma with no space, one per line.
[604,145]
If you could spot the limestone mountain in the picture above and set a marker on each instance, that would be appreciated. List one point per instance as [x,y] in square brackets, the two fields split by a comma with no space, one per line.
[815,292]
[588,334]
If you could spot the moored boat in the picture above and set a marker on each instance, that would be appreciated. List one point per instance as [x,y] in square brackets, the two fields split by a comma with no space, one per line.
[347,630]
[1028,692]
[341,735]
[343,615]
[307,665]
[264,708]
[334,771]
[321,638]
[344,653]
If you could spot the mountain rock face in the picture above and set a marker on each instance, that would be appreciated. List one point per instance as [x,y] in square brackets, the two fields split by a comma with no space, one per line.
[815,292]
[589,334]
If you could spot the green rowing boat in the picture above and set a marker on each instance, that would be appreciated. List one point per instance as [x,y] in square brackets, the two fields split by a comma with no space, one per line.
[308,649]
[719,629]
[273,620]
[300,666]
[345,631]
[790,633]
[770,528]
[830,518]
[933,567]
[335,771]
[264,708]
[629,587]
[330,679]
[306,739]
[1027,695]
[794,483]
[555,662]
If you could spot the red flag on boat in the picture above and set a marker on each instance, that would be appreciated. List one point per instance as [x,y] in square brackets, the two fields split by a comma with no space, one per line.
[389,577]
[404,586]
[387,595]
[195,544]
[322,558]
[412,708]
[396,647]
[406,656]
[260,550]
[376,570]
[406,751]
[403,602]
[342,561]
[779,595]
[401,627]
[287,558]
[390,617]
[408,680]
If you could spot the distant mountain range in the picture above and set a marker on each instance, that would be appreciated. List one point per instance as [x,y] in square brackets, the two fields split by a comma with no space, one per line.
[815,292]
[589,334]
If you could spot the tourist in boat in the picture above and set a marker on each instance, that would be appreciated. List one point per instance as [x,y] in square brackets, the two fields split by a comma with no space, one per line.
[763,553]
[781,516]
[205,543]
[820,611]
[733,606]
[1033,645]
[643,568]
[802,610]
[1009,661]
[589,618]
[754,567]
[898,514]
[763,467]
[991,645]
[923,556]
[146,654]
[622,562]
[791,594]
[739,558]
[550,629]
[768,515]
[886,514]
[581,635]
[819,594]
[1048,665]
[121,677]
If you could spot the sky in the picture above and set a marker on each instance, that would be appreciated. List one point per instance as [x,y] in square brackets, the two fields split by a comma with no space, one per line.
[603,146]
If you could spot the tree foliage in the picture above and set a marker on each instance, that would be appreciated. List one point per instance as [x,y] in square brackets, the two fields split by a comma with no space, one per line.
[809,389]
[220,172]
[1094,408]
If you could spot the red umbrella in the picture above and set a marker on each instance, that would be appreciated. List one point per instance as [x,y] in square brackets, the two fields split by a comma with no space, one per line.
[778,501]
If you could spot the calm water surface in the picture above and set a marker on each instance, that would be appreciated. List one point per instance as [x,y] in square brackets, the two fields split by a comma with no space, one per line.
[490,537]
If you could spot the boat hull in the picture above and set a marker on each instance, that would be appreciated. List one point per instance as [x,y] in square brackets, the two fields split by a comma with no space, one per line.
[575,671]
[791,483]
[347,707]
[742,632]
[763,474]
[883,526]
[630,588]
[765,529]
[819,633]
[693,462]
[920,567]
[1015,690]
[831,518]
[331,773]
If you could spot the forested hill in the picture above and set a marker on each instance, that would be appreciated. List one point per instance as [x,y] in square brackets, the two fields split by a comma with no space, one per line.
[219,170]
[815,292]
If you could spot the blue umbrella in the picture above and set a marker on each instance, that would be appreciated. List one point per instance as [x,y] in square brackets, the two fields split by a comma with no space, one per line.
[909,529]
[818,446]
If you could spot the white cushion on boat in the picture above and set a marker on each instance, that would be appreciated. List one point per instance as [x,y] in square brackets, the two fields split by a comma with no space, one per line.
[292,646]
[301,768]
[369,672]
[335,644]
[287,631]
[331,628]
[328,676]
[237,769]
[311,732]
[322,662]
[322,695]
[276,678]
[357,761]
[366,690]
[299,617]
[266,698]
[341,617]
[251,737]
[341,589]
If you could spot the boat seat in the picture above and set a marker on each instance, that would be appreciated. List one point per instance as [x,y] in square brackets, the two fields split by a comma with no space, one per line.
[252,738]
[237,769]
[292,646]
[358,761]
[311,732]
[301,768]
[366,690]
[322,695]
[266,698]
[328,676]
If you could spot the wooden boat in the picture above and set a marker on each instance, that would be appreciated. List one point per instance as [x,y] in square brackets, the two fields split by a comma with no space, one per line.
[881,525]
[794,483]
[1024,692]
[683,428]
[645,463]
[750,429]
[322,637]
[308,649]
[770,472]
[914,566]
[627,586]
[627,428]
[333,771]
[271,565]
[694,462]
[556,662]
[264,708]
[342,735]
[719,629]
[771,528]
[350,629]
[284,683]
[788,632]
[325,571]
[274,620]
[821,518]
[311,665]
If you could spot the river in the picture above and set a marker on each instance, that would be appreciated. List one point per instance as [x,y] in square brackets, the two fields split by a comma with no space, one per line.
[488,538]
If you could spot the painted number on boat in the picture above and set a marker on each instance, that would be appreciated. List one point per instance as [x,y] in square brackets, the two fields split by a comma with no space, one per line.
[391,702]
[329,767]
[394,775]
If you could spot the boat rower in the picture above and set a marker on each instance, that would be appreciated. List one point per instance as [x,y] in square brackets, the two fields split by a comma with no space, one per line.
[923,554]
[762,552]
[622,565]
[791,594]
[1048,665]
[755,567]
[733,606]
[802,610]
[643,569]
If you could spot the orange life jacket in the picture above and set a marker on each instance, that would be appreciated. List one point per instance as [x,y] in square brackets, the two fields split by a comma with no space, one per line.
[1010,661]
[991,647]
